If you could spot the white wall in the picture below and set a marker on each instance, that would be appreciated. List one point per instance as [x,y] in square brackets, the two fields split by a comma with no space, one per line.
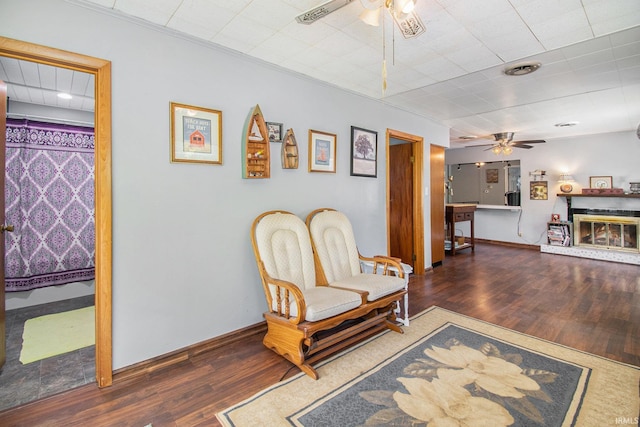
[614,154]
[183,268]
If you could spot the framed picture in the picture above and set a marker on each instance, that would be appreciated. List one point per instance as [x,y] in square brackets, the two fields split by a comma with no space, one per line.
[538,190]
[555,217]
[196,134]
[364,152]
[492,176]
[322,151]
[600,182]
[275,131]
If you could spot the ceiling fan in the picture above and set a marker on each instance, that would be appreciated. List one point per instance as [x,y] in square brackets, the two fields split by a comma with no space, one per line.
[504,143]
[402,11]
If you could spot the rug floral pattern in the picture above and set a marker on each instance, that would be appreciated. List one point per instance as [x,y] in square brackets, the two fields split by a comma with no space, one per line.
[455,378]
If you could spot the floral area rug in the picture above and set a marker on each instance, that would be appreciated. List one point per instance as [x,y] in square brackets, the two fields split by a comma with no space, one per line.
[451,370]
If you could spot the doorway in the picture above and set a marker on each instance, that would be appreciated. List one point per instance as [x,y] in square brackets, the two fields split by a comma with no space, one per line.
[101,70]
[405,227]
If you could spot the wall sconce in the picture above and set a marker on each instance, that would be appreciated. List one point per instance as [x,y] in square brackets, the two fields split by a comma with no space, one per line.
[565,183]
[479,164]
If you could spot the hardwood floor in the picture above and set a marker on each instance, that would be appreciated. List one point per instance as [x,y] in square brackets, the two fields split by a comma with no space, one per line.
[593,306]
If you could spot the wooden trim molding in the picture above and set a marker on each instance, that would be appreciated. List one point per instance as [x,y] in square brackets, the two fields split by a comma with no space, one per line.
[166,360]
[418,202]
[101,69]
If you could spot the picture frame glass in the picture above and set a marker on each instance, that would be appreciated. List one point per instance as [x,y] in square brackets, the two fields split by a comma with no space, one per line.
[538,190]
[600,182]
[275,131]
[322,151]
[196,134]
[364,152]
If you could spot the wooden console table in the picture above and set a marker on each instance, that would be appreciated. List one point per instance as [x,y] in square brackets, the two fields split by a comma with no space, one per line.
[459,212]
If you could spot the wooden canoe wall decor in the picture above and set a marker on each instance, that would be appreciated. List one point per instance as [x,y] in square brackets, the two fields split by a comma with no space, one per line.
[289,152]
[255,147]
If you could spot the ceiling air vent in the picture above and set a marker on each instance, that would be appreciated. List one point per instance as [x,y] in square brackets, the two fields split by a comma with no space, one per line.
[522,69]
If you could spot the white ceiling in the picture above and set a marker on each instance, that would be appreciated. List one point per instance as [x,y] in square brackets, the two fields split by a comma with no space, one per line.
[453,73]
[40,84]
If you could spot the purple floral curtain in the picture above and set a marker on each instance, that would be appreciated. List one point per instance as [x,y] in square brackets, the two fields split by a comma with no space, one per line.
[49,199]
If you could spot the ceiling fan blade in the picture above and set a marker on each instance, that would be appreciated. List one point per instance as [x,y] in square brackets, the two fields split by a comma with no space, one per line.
[320,11]
[533,141]
[522,146]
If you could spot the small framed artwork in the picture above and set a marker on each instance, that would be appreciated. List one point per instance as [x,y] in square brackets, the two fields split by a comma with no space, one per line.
[555,217]
[196,134]
[275,131]
[538,190]
[364,152]
[492,176]
[600,182]
[322,151]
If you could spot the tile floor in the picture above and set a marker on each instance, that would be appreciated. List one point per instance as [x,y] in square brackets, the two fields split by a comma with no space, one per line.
[20,383]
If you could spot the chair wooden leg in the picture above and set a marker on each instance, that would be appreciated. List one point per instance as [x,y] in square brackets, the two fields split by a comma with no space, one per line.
[307,369]
[394,327]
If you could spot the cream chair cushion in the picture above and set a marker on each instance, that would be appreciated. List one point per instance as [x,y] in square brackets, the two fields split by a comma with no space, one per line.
[377,285]
[335,245]
[338,254]
[285,250]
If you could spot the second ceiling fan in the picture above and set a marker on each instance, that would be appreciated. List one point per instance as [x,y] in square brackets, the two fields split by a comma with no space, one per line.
[504,143]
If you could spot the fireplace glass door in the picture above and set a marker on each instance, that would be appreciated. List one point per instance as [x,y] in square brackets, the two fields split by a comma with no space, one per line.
[615,233]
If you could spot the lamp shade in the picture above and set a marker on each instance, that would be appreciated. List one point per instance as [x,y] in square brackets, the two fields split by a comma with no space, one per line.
[565,178]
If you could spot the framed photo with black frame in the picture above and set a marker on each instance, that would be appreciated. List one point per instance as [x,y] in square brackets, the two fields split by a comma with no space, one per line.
[364,152]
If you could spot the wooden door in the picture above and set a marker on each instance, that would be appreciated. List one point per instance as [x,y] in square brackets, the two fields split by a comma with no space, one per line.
[436,163]
[401,202]
[3,137]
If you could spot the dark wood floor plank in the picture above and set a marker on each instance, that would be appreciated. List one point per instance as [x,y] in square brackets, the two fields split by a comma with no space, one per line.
[593,306]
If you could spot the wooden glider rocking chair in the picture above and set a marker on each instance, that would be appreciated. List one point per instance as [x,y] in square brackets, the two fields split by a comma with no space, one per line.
[308,320]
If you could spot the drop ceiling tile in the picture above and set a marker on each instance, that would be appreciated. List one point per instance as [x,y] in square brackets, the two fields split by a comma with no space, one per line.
[469,12]
[274,15]
[200,18]
[156,11]
[311,34]
[338,44]
[247,31]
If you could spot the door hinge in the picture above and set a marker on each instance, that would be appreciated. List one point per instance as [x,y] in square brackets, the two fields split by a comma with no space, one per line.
[411,158]
[414,257]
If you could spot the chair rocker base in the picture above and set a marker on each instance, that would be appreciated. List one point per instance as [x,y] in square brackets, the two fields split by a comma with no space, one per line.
[308,342]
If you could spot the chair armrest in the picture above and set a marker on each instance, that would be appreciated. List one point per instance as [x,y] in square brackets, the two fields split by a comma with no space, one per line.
[283,290]
[385,262]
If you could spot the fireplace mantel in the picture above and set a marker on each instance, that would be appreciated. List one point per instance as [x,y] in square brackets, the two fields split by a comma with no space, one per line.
[569,196]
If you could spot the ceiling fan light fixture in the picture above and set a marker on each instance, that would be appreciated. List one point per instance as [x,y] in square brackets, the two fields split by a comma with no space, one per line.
[371,17]
[522,69]
[507,150]
[496,150]
[405,6]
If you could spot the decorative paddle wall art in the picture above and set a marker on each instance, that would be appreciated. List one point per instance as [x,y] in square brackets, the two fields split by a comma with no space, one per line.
[289,152]
[255,147]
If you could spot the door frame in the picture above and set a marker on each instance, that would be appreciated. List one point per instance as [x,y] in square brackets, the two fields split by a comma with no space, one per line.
[418,209]
[101,69]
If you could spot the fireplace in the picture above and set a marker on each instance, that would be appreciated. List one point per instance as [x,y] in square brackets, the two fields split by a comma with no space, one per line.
[606,229]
